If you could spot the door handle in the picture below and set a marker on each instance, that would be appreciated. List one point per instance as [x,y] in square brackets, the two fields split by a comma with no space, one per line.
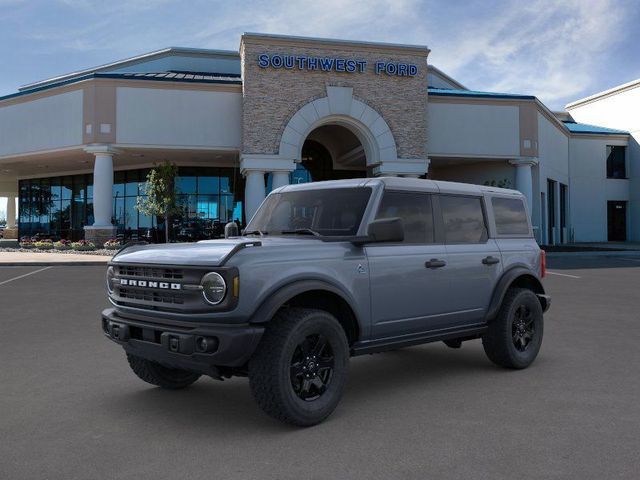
[435,263]
[490,260]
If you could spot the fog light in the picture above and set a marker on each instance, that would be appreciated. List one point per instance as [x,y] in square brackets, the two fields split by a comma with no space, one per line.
[206,344]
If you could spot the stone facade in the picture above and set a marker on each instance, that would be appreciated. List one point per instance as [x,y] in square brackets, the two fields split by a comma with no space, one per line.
[272,96]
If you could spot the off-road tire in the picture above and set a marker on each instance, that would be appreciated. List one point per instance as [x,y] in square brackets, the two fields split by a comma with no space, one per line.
[270,367]
[159,375]
[498,341]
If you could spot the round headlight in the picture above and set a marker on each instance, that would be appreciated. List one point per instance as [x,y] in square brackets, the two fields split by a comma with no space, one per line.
[111,273]
[214,288]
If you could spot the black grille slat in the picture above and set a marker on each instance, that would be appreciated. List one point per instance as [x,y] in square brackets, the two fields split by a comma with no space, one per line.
[153,273]
[151,296]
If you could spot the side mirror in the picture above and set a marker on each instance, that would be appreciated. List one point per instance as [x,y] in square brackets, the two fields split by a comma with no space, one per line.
[386,230]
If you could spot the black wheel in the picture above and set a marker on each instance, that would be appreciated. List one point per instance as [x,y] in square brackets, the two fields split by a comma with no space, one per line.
[514,337]
[299,370]
[156,374]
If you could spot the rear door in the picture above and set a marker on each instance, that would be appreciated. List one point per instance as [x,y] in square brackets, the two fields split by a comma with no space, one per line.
[409,285]
[474,260]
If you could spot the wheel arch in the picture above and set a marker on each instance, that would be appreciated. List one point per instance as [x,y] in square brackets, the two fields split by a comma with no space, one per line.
[520,277]
[312,294]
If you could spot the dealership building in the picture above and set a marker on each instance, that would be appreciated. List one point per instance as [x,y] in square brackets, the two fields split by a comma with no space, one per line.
[75,149]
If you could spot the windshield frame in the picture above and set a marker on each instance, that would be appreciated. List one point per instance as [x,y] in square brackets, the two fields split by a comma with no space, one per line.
[309,232]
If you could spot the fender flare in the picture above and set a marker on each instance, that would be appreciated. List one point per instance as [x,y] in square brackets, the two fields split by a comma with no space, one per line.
[506,281]
[279,297]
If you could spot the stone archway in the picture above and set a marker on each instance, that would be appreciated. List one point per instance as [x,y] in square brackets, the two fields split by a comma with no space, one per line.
[340,108]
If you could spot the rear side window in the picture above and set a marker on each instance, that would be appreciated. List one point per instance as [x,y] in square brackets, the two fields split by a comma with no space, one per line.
[463,219]
[510,215]
[415,211]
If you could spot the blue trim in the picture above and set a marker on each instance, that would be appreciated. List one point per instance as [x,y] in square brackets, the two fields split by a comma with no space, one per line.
[585,128]
[449,92]
[230,80]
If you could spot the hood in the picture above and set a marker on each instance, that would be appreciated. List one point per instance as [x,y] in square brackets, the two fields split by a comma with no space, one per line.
[209,253]
[212,253]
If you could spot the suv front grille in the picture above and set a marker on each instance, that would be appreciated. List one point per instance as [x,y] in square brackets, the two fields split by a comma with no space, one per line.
[151,272]
[161,294]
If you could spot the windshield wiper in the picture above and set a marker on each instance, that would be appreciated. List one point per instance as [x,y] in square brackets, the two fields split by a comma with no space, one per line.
[301,231]
[256,232]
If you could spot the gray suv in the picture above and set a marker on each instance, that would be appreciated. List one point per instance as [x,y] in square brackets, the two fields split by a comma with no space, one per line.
[329,270]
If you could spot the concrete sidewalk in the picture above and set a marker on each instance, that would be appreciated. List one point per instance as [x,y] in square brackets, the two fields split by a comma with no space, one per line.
[37,259]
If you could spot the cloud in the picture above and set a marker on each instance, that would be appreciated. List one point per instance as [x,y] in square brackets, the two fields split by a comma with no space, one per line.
[557,50]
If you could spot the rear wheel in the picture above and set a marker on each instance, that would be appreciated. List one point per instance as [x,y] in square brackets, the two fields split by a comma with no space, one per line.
[159,375]
[514,337]
[299,370]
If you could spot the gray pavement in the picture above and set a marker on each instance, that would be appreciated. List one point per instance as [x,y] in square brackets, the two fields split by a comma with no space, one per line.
[71,409]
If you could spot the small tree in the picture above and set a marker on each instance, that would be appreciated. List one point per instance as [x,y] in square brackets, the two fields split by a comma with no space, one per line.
[160,191]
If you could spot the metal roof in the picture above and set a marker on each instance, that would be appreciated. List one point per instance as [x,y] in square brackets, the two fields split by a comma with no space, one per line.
[225,78]
[585,128]
[449,92]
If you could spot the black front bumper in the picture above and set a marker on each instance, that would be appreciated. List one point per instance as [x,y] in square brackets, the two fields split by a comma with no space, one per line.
[180,346]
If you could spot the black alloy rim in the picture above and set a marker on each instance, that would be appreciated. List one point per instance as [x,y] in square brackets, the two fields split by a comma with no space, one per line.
[523,328]
[312,367]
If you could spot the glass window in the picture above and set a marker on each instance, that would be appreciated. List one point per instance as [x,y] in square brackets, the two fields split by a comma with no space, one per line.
[186,184]
[327,211]
[463,219]
[118,184]
[208,185]
[415,211]
[67,188]
[131,186]
[510,215]
[616,161]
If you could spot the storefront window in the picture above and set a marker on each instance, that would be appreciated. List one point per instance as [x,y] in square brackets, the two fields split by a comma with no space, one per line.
[60,207]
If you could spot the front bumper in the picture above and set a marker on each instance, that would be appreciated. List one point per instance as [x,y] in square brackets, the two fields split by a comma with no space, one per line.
[179,346]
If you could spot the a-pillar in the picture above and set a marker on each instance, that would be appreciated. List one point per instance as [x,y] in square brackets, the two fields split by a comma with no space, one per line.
[524,178]
[102,228]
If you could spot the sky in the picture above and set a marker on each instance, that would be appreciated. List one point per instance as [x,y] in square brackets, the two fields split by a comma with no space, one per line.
[557,50]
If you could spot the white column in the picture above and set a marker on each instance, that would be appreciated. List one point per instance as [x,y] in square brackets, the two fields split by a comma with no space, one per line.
[11,211]
[254,191]
[279,179]
[103,189]
[524,178]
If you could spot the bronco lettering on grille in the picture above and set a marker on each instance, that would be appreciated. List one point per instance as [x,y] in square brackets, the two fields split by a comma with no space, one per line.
[146,284]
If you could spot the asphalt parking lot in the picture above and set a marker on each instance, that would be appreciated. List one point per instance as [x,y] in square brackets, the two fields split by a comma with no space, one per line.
[71,408]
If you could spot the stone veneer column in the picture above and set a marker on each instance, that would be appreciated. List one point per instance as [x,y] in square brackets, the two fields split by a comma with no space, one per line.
[524,178]
[102,228]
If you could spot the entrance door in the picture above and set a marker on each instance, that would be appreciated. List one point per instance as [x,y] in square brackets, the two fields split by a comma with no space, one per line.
[617,221]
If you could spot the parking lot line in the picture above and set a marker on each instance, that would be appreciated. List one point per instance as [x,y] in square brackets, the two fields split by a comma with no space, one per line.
[563,274]
[25,275]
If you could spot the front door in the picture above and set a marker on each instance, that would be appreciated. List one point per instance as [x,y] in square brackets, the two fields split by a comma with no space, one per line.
[409,286]
[617,221]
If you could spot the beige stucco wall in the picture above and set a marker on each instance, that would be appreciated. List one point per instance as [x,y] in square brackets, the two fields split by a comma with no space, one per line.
[271,96]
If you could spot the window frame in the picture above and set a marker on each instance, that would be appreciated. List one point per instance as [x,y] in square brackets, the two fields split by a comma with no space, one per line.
[625,163]
[495,223]
[483,208]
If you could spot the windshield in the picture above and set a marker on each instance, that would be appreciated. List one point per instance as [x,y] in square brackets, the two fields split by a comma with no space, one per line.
[324,212]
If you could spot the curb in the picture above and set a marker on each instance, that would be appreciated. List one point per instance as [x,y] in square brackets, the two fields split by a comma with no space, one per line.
[88,263]
[603,253]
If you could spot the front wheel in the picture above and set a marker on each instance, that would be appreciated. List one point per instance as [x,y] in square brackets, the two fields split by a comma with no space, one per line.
[299,370]
[514,337]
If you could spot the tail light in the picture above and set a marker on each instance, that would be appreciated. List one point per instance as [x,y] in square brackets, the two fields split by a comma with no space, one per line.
[543,263]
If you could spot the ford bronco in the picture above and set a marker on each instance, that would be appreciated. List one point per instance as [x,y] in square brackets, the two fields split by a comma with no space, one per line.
[329,270]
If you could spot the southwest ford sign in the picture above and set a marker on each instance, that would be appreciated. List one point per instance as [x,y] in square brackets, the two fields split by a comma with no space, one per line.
[332,64]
